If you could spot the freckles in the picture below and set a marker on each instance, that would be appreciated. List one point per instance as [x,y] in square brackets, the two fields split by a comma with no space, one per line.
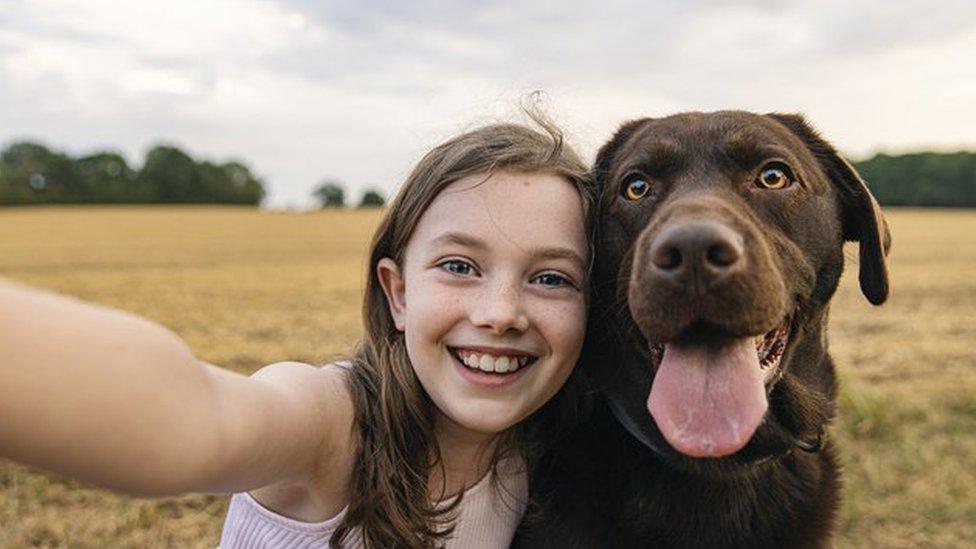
[568,309]
[445,308]
[566,321]
[449,302]
[432,294]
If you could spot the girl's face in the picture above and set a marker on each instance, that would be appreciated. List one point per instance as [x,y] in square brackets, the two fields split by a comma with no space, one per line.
[491,296]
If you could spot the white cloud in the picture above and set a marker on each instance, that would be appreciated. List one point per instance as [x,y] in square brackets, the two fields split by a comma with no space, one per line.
[158,81]
[144,47]
[358,90]
[177,28]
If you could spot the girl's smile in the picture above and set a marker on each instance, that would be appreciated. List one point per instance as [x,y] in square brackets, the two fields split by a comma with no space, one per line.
[491,296]
[492,367]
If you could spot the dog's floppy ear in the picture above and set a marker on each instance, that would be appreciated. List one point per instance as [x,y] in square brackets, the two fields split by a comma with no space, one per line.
[862,217]
[608,151]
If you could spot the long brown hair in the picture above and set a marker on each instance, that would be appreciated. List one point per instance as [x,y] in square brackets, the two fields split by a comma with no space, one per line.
[394,415]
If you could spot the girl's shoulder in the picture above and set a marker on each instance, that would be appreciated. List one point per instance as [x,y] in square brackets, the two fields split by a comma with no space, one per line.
[318,388]
[327,490]
[326,384]
[340,367]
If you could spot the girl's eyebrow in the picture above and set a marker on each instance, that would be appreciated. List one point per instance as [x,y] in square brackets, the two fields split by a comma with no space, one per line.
[459,239]
[561,253]
[468,241]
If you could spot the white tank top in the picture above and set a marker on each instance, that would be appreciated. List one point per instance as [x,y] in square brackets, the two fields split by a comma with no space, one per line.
[486,518]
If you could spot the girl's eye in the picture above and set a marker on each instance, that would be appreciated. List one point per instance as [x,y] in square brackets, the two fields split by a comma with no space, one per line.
[553,280]
[457,267]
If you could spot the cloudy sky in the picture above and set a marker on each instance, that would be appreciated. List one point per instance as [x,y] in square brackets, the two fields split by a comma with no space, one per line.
[358,90]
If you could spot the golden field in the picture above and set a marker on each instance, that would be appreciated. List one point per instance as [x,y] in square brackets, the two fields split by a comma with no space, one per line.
[246,288]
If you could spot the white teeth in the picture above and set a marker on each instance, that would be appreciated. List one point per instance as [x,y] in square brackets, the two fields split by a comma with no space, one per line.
[489,363]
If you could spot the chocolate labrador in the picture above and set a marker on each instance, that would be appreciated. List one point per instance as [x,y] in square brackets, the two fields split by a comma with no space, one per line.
[721,244]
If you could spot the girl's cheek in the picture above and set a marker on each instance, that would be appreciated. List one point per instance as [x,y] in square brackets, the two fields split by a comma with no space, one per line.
[569,322]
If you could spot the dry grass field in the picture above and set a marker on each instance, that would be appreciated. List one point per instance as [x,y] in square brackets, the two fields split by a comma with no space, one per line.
[246,288]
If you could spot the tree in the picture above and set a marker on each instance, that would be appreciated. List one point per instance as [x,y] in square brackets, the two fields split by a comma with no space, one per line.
[922,179]
[230,183]
[111,180]
[33,173]
[245,187]
[372,199]
[173,175]
[330,194]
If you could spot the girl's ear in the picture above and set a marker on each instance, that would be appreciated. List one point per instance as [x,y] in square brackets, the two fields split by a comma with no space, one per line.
[391,279]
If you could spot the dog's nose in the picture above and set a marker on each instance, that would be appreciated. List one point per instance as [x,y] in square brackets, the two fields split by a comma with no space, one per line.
[705,250]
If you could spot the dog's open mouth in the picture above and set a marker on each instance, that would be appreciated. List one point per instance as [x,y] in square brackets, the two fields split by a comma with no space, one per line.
[709,396]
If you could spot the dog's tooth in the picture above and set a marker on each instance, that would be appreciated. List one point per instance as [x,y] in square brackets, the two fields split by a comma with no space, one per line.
[502,364]
[471,360]
[522,360]
[486,364]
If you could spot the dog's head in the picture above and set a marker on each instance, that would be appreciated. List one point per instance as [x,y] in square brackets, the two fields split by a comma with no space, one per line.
[721,242]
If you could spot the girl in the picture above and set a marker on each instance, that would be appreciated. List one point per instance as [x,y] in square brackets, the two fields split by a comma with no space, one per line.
[474,317]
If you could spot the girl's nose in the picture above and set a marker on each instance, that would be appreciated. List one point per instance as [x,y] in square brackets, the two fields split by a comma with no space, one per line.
[500,310]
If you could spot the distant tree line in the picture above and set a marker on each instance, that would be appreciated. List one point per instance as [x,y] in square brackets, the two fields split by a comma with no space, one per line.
[922,179]
[30,173]
[331,194]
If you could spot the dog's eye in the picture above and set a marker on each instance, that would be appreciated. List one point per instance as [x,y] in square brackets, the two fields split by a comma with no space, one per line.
[775,175]
[636,188]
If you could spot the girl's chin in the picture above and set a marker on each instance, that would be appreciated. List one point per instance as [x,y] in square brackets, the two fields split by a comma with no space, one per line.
[481,421]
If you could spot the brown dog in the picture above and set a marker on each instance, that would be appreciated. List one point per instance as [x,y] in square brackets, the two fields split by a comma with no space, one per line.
[720,247]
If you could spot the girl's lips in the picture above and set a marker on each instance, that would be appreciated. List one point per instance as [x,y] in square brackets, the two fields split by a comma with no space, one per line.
[495,351]
[493,360]
[490,370]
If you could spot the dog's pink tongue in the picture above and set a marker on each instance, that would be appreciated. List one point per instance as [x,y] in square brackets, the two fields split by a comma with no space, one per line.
[708,401]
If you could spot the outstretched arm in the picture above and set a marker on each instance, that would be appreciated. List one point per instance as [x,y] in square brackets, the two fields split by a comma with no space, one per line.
[119,401]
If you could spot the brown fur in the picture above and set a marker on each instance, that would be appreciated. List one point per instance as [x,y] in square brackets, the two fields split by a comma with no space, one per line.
[607,487]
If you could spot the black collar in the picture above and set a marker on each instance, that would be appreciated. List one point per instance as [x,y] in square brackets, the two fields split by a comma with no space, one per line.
[628,424]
